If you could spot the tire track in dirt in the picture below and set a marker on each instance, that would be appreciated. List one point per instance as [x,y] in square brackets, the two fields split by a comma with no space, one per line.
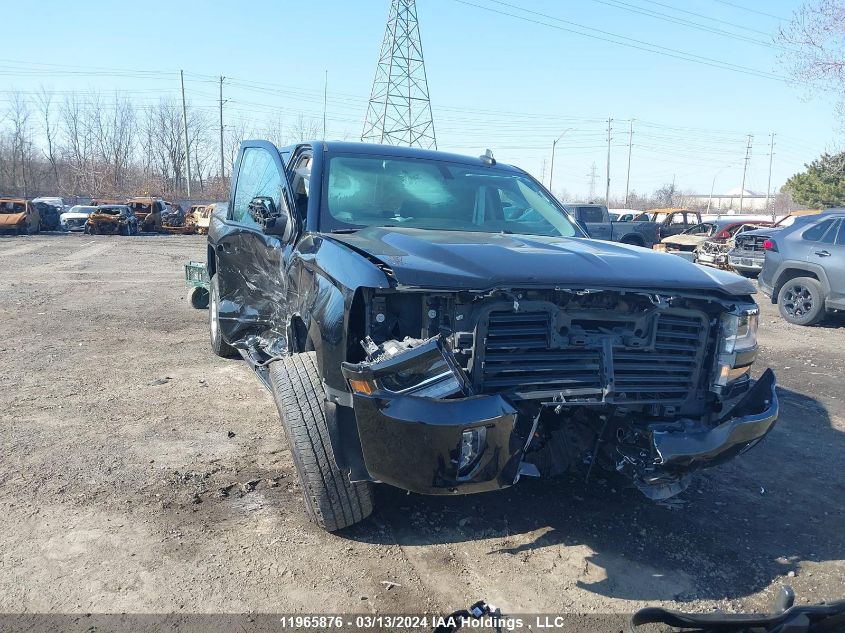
[23,249]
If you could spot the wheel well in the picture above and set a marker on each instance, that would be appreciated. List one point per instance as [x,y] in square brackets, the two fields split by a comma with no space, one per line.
[633,240]
[789,274]
[212,262]
[299,339]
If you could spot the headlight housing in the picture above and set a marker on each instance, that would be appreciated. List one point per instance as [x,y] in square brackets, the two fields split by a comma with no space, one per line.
[739,331]
[738,336]
[423,368]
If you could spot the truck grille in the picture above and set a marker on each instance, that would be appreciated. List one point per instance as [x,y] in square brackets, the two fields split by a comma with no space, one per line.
[517,356]
[751,243]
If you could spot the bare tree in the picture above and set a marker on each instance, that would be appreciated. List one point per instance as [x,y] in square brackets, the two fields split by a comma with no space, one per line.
[814,42]
[44,100]
[305,128]
[21,144]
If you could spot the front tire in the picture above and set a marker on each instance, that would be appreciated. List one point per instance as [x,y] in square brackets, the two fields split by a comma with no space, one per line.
[332,501]
[218,345]
[801,301]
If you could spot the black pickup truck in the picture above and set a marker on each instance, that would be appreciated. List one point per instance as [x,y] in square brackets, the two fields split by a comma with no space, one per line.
[599,225]
[441,324]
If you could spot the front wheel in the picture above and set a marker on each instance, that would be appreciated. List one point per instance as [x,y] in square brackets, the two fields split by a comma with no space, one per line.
[800,301]
[332,501]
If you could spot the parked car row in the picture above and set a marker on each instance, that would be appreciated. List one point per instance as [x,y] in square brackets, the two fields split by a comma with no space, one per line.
[102,216]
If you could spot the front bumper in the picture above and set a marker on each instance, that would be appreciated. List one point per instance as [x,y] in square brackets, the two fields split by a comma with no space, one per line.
[746,262]
[744,425]
[711,259]
[414,442]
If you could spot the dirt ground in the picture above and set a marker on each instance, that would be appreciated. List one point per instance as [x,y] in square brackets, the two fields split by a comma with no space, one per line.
[140,473]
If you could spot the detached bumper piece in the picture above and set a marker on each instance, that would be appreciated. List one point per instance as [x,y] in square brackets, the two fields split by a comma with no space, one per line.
[745,425]
[446,442]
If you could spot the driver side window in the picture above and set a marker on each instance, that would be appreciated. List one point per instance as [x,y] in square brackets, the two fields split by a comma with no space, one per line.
[257,176]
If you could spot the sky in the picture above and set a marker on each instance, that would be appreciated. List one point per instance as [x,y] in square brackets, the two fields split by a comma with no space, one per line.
[508,75]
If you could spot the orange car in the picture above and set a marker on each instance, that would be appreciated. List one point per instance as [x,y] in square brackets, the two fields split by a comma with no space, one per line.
[19,215]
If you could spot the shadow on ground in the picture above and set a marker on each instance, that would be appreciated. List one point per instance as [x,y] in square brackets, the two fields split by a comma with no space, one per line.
[736,529]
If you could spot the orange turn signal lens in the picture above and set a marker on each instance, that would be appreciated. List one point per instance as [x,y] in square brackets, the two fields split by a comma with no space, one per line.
[361,386]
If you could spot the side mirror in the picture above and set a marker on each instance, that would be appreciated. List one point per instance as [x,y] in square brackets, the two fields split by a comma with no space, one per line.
[262,209]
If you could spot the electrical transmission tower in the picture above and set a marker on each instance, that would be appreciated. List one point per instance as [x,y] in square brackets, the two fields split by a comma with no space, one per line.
[592,176]
[399,112]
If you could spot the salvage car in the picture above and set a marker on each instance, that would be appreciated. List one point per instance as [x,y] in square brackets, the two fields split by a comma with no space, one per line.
[148,211]
[175,220]
[76,219]
[112,219]
[598,223]
[804,269]
[747,255]
[670,221]
[202,216]
[49,212]
[19,216]
[714,250]
[414,333]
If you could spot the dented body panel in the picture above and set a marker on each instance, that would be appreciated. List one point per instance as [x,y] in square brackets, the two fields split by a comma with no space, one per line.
[546,354]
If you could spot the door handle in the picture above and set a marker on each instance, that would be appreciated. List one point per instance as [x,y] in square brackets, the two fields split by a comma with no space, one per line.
[822,253]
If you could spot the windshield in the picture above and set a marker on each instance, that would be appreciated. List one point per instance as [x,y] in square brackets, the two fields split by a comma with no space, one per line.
[139,207]
[376,191]
[12,207]
[82,209]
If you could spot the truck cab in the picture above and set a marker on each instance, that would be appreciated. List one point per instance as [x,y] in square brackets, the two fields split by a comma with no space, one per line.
[441,323]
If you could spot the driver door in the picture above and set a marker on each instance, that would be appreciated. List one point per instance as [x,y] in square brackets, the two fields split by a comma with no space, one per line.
[251,274]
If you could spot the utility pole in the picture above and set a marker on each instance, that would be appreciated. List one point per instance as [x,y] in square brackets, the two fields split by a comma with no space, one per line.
[554,144]
[744,170]
[325,97]
[592,176]
[607,187]
[222,163]
[185,121]
[628,179]
[769,185]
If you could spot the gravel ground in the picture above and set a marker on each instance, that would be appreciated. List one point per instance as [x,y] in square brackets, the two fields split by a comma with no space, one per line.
[139,473]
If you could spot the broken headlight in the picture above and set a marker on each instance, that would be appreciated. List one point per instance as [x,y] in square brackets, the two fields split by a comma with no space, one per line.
[739,331]
[424,368]
[738,336]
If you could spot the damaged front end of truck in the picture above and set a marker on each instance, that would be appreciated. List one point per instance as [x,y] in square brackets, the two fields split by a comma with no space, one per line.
[467,391]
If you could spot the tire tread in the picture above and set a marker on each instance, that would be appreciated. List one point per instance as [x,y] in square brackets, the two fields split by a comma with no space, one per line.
[332,500]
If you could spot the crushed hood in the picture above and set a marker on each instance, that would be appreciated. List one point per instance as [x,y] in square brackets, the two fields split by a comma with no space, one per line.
[477,261]
[685,240]
[12,219]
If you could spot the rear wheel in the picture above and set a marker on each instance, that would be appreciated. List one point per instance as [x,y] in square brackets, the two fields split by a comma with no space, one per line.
[218,345]
[801,301]
[332,501]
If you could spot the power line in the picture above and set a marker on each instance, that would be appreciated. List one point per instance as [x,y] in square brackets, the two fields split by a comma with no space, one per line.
[707,17]
[621,40]
[739,6]
[659,15]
